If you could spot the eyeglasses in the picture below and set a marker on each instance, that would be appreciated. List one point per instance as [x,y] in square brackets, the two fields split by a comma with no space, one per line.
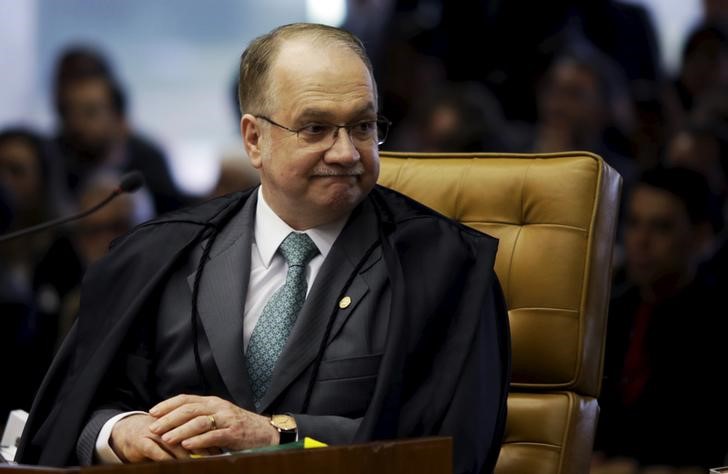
[324,135]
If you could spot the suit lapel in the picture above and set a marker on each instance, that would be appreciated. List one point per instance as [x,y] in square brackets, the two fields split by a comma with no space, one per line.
[221,300]
[305,338]
[356,293]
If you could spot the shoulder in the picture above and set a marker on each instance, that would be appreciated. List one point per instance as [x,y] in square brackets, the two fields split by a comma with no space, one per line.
[410,215]
[150,248]
[142,146]
[153,243]
[209,214]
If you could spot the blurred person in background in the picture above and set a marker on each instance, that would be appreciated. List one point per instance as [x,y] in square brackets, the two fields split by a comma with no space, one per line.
[15,309]
[712,108]
[94,233]
[34,197]
[513,48]
[58,275]
[703,146]
[30,196]
[424,40]
[77,61]
[457,117]
[664,377]
[94,131]
[25,172]
[704,64]
[583,105]
[625,32]
[657,115]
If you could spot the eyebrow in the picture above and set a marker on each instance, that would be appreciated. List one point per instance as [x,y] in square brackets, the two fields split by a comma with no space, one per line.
[326,115]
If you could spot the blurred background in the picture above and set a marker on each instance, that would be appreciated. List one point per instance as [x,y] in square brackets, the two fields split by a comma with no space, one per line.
[160,51]
[168,49]
[90,89]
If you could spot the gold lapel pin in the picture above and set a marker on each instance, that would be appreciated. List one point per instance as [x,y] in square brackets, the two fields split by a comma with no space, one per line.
[345,302]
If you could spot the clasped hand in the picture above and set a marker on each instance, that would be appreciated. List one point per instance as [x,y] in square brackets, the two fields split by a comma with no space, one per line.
[188,424]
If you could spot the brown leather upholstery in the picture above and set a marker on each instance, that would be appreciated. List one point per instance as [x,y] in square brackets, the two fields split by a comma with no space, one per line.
[555,216]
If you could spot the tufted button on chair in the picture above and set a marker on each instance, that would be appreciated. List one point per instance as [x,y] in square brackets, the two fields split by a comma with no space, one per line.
[555,217]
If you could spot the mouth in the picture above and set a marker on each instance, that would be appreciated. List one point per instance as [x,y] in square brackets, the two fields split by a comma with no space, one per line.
[335,175]
[640,264]
[329,173]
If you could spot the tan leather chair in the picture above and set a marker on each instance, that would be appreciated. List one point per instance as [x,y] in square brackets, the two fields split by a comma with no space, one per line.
[555,216]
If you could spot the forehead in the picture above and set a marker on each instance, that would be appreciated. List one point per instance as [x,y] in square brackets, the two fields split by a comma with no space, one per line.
[93,88]
[690,148]
[650,202]
[17,150]
[330,79]
[574,74]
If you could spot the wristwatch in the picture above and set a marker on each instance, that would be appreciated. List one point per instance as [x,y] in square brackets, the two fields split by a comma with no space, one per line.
[286,426]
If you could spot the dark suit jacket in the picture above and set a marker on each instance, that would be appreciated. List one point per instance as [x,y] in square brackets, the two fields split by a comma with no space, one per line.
[679,417]
[420,351]
[139,154]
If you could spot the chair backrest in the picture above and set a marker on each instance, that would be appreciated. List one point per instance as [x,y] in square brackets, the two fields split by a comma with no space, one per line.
[555,217]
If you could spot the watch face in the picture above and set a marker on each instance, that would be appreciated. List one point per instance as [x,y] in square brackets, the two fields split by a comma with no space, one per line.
[283,422]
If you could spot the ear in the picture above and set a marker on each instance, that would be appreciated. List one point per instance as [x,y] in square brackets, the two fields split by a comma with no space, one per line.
[250,131]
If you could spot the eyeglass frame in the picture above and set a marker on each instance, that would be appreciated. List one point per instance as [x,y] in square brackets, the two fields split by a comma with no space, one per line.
[348,127]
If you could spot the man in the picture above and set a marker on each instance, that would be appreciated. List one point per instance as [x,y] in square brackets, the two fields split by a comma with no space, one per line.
[581,105]
[58,275]
[194,330]
[34,196]
[704,64]
[662,400]
[95,134]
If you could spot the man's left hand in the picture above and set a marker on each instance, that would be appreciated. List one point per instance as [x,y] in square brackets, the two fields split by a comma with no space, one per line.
[210,422]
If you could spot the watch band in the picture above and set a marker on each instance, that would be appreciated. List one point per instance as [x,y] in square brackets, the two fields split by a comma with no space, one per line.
[287,436]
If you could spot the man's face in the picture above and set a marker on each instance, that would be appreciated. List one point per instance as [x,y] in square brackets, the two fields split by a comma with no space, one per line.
[89,119]
[20,172]
[706,67]
[443,124]
[572,99]
[660,240]
[307,185]
[700,153]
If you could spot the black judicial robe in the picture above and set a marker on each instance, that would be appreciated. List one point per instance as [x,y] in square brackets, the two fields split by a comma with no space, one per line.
[445,369]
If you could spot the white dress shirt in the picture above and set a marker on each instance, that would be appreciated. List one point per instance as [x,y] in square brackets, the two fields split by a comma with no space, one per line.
[268,270]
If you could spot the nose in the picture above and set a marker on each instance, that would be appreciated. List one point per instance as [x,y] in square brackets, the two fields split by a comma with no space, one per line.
[342,151]
[640,239]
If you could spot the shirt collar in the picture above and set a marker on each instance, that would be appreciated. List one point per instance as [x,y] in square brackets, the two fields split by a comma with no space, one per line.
[271,230]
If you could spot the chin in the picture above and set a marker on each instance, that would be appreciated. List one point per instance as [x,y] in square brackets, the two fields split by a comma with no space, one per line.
[344,201]
[641,276]
[341,199]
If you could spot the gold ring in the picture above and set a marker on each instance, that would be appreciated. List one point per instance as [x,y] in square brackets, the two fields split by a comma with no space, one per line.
[213,425]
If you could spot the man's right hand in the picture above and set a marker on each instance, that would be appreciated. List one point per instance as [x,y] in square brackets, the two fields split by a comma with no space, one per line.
[132,441]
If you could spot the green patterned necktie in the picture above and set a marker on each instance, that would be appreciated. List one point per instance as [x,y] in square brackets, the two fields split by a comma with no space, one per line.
[275,322]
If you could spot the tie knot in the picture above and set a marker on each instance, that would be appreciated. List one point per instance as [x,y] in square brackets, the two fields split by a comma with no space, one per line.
[298,249]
